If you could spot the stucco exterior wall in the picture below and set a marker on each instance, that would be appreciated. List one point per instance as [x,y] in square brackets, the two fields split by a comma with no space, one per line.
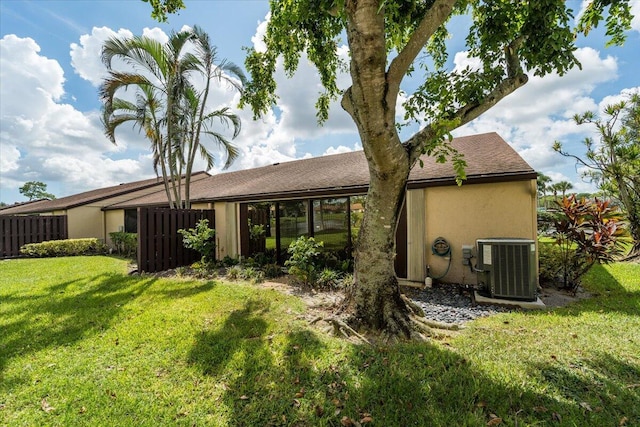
[85,221]
[114,221]
[464,214]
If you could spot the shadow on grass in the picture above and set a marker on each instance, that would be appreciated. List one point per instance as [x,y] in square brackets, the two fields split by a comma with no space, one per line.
[296,378]
[608,294]
[65,313]
[185,289]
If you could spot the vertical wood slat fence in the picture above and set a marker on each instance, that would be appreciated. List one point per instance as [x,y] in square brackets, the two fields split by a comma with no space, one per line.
[18,230]
[159,243]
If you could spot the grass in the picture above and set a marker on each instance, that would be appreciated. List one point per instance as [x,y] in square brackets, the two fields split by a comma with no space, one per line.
[83,343]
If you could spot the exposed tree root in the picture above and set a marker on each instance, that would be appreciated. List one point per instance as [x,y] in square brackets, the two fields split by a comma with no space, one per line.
[401,326]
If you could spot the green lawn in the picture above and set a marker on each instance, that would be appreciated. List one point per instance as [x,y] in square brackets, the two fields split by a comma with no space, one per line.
[83,343]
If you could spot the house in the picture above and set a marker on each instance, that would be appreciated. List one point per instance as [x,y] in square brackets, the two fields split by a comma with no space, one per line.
[324,197]
[85,211]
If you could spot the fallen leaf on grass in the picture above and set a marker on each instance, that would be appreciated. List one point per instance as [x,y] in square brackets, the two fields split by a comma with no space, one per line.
[366,419]
[319,410]
[244,397]
[540,409]
[623,421]
[586,406]
[82,410]
[346,421]
[556,417]
[494,421]
[300,393]
[46,407]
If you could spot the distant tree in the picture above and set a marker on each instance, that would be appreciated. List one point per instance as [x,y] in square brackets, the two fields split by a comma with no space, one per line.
[2,204]
[389,40]
[35,190]
[614,162]
[563,187]
[543,182]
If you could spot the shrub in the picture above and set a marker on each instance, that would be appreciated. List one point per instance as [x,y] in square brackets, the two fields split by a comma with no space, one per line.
[234,272]
[68,247]
[547,220]
[202,239]
[126,244]
[228,261]
[304,261]
[272,270]
[586,234]
[347,281]
[251,274]
[328,279]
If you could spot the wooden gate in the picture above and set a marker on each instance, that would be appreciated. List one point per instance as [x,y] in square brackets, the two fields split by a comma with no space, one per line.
[17,230]
[159,243]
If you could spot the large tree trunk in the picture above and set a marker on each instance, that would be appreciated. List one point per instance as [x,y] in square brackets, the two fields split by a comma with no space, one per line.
[376,297]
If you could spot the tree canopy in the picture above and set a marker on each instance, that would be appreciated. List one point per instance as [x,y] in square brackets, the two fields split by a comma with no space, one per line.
[169,106]
[35,190]
[388,41]
[613,162]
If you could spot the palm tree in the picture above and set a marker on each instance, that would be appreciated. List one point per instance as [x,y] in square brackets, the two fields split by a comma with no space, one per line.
[564,186]
[198,120]
[169,107]
[144,114]
[543,184]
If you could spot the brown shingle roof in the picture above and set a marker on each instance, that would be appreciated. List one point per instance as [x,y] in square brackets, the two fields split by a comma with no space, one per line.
[88,197]
[488,157]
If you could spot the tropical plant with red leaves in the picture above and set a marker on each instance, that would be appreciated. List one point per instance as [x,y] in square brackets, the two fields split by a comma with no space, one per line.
[586,234]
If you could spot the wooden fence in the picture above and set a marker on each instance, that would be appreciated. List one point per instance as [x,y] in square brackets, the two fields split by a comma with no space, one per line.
[159,243]
[16,231]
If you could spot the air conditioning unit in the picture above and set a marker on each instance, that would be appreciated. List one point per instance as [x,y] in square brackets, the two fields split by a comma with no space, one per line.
[507,268]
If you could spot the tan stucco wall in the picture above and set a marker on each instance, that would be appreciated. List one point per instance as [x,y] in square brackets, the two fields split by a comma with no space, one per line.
[464,214]
[114,221]
[85,221]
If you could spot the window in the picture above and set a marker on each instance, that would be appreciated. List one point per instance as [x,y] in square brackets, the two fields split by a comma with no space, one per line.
[294,222]
[331,223]
[131,220]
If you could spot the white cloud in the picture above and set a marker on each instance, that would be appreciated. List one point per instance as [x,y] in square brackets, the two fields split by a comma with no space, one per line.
[275,137]
[86,56]
[541,112]
[635,10]
[45,139]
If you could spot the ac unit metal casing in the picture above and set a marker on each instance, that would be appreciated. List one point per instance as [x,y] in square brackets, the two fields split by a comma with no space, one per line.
[507,268]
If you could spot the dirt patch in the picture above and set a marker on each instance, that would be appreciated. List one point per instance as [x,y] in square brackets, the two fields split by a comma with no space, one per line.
[324,303]
[552,297]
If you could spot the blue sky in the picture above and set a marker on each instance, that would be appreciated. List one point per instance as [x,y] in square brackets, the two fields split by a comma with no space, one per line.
[50,71]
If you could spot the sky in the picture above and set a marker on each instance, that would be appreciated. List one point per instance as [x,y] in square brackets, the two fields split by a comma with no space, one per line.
[50,72]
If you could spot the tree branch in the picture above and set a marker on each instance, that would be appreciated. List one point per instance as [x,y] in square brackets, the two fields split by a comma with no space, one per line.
[466,113]
[435,16]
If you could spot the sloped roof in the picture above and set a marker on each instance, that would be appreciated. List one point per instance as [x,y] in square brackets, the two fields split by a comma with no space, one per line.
[89,197]
[488,156]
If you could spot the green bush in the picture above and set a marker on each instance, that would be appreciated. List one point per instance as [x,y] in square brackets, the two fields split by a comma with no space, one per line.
[126,244]
[328,279]
[586,233]
[272,270]
[228,261]
[252,275]
[304,262]
[68,247]
[234,272]
[202,239]
[552,261]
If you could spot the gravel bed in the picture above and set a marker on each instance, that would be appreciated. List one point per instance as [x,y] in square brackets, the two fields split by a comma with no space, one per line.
[451,304]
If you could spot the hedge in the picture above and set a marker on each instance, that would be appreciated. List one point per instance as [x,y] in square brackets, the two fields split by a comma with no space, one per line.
[68,247]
